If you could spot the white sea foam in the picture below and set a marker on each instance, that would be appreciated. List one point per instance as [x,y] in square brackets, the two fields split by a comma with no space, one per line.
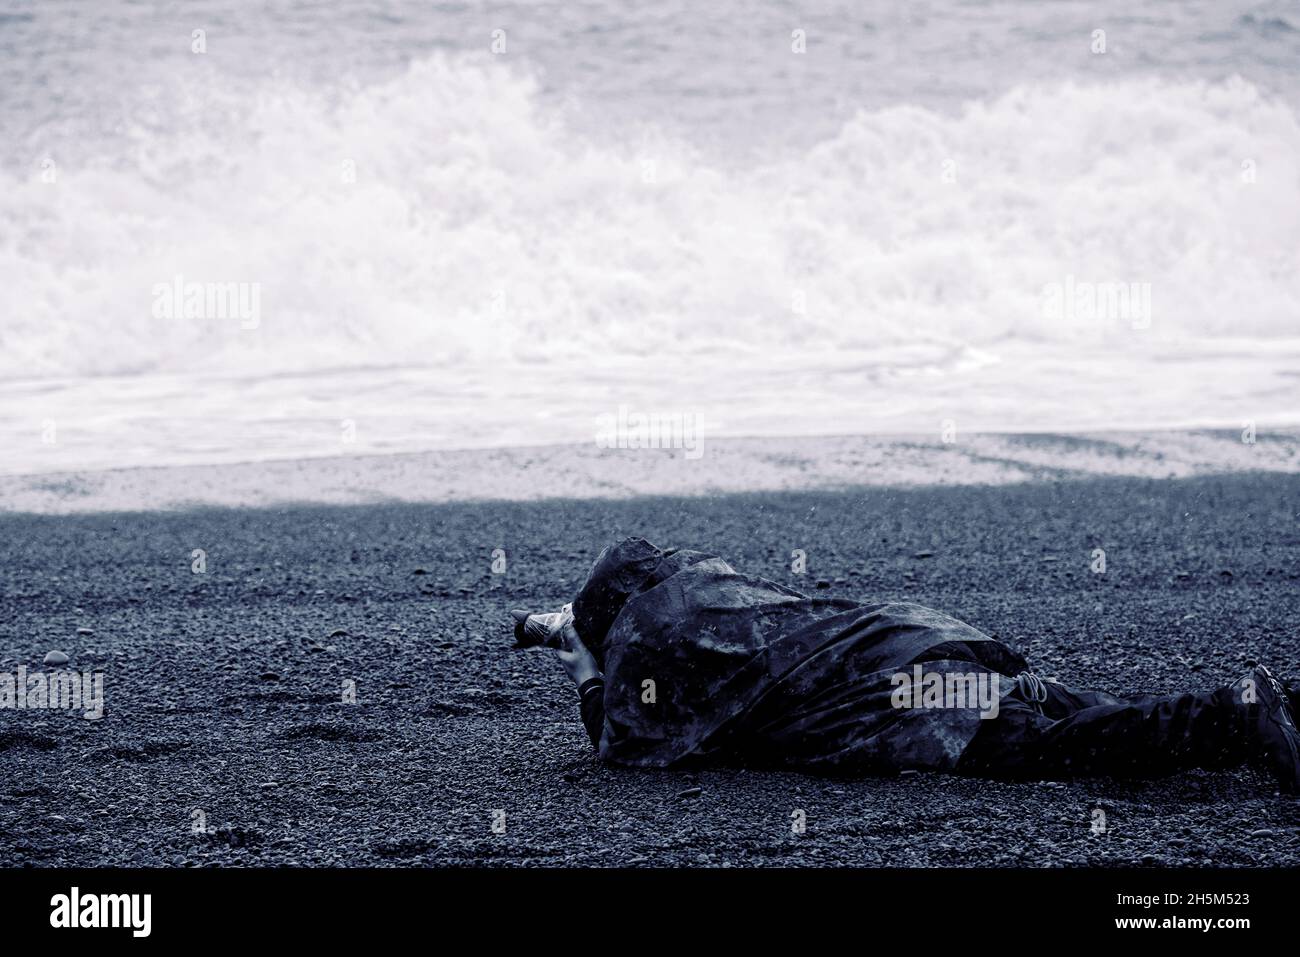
[895,269]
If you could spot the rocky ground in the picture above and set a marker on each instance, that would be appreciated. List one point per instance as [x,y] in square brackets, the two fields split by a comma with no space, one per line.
[226,739]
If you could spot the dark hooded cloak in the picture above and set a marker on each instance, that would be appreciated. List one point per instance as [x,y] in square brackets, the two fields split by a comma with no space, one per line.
[701,660]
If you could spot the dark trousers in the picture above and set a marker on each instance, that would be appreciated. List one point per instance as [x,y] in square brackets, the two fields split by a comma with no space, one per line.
[1084,733]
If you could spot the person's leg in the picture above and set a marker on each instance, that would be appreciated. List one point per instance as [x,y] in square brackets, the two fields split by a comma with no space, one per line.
[1143,737]
[1079,734]
[1061,701]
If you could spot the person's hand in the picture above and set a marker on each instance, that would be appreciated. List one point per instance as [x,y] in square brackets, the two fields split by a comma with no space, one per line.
[579,663]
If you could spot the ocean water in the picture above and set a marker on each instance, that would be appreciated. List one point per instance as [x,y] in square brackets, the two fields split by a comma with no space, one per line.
[471,225]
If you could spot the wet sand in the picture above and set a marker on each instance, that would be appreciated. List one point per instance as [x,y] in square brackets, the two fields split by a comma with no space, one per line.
[711,467]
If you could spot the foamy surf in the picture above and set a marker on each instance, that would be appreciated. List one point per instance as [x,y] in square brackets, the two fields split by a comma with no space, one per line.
[439,260]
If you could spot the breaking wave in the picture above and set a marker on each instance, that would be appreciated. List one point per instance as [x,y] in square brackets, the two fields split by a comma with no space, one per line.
[449,216]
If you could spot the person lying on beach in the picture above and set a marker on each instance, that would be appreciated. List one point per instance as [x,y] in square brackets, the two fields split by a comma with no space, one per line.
[679,658]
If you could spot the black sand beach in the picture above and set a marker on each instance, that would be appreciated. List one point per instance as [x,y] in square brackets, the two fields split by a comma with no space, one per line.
[223,689]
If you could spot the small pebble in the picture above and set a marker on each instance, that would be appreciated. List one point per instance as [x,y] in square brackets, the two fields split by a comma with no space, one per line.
[56,658]
[1262,832]
[690,793]
[923,555]
[339,633]
[85,631]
